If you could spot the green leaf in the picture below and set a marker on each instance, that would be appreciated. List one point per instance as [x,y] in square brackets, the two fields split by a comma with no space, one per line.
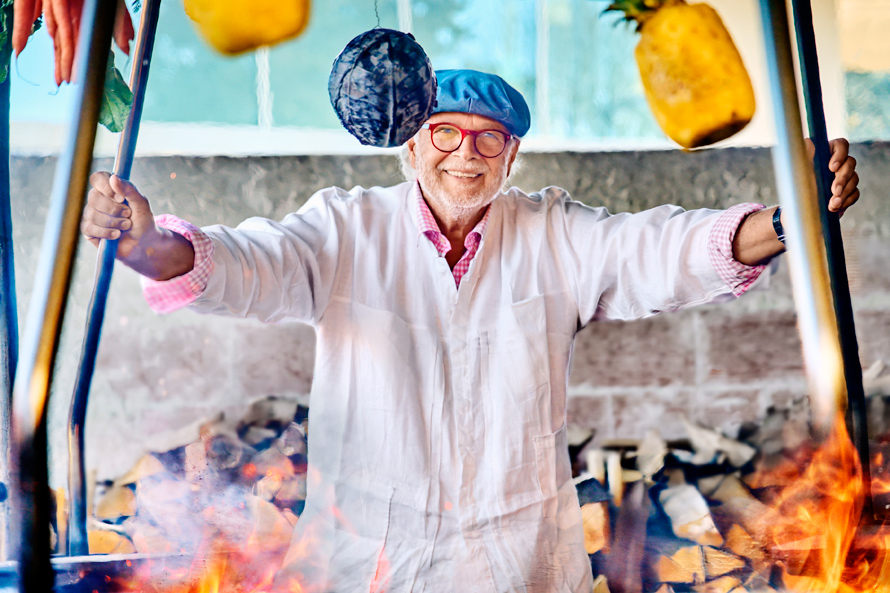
[5,40]
[116,100]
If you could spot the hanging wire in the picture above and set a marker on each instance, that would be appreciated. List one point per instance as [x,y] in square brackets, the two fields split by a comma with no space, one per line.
[377,14]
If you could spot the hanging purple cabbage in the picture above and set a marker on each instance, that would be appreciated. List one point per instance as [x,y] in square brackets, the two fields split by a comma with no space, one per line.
[382,87]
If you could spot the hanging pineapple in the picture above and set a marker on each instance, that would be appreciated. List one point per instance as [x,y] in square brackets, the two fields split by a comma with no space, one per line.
[695,81]
[236,26]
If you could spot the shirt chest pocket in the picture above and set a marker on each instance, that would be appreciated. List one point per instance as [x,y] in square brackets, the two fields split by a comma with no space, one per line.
[517,352]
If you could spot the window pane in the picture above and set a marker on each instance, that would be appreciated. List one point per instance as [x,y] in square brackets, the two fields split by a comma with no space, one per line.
[593,80]
[498,37]
[190,82]
[33,92]
[300,68]
[868,105]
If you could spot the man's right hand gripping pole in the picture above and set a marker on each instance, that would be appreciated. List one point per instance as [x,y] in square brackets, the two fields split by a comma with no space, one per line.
[116,210]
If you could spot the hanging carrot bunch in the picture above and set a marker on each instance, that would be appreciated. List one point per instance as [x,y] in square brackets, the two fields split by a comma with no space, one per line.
[62,20]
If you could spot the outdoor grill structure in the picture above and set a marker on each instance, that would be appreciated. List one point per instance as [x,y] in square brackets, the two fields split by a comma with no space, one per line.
[816,260]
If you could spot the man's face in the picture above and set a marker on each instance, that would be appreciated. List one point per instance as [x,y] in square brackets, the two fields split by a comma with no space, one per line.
[462,179]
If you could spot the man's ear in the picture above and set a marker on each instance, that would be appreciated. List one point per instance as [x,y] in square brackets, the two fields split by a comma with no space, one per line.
[514,150]
[412,156]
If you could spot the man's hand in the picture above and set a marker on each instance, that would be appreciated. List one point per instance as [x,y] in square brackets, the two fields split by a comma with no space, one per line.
[845,188]
[116,210]
[755,241]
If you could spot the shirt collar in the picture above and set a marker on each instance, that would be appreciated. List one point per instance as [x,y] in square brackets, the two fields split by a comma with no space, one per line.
[427,225]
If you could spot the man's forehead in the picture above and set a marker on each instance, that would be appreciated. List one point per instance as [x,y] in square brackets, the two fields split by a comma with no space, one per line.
[472,121]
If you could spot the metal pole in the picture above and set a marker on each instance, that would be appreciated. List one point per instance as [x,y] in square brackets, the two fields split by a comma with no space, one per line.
[46,312]
[807,258]
[78,544]
[857,419]
[9,332]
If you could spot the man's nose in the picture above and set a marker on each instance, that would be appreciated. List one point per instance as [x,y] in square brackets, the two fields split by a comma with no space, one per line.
[467,148]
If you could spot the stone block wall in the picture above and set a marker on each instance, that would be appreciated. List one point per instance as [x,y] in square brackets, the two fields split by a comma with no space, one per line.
[718,365]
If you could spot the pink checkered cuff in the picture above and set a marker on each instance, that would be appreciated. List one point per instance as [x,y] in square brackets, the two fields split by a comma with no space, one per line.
[167,296]
[738,276]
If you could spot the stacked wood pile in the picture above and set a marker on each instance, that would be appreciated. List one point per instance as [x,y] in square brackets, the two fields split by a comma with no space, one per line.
[765,511]
[241,482]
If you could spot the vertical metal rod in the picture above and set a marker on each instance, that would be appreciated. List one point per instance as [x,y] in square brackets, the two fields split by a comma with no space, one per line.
[78,544]
[9,332]
[802,212]
[857,420]
[46,312]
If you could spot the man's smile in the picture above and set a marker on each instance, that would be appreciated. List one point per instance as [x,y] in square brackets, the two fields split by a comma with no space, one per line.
[462,174]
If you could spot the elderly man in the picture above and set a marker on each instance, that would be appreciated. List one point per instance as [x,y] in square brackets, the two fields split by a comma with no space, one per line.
[445,312]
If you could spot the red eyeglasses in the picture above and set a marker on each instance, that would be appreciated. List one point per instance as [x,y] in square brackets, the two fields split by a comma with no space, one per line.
[448,138]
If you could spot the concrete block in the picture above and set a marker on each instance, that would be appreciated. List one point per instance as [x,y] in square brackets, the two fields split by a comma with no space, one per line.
[752,347]
[726,411]
[274,360]
[657,351]
[591,411]
[873,335]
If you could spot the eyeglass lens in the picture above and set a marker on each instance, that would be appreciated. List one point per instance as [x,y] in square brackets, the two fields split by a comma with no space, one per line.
[489,143]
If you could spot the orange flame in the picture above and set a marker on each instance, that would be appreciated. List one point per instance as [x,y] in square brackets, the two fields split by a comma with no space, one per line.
[815,535]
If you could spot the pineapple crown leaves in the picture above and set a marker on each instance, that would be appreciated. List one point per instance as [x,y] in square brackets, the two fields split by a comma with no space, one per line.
[639,11]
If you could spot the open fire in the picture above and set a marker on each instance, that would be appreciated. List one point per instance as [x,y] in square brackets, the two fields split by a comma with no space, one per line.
[787,520]
[773,511]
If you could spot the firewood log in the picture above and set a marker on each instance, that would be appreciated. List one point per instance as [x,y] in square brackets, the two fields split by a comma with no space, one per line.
[741,544]
[796,555]
[270,526]
[272,414]
[273,462]
[720,585]
[689,514]
[719,562]
[685,565]
[739,507]
[292,491]
[225,452]
[759,582]
[595,516]
[596,465]
[651,454]
[116,503]
[615,476]
[624,564]
[679,562]
[195,462]
[108,539]
[293,440]
[147,465]
[61,513]
[707,444]
[149,539]
[601,584]
[291,517]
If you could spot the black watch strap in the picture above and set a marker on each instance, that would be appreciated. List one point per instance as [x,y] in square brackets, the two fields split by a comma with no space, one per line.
[777,225]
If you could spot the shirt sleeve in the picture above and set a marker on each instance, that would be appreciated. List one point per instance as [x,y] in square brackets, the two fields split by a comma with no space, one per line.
[170,295]
[629,266]
[281,271]
[738,276]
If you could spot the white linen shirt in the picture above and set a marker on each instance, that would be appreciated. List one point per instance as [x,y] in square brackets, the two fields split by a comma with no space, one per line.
[438,454]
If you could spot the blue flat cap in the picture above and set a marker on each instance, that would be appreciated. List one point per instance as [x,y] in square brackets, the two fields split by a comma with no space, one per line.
[469,91]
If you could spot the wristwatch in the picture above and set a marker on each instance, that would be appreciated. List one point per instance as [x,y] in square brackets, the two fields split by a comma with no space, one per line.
[777,225]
